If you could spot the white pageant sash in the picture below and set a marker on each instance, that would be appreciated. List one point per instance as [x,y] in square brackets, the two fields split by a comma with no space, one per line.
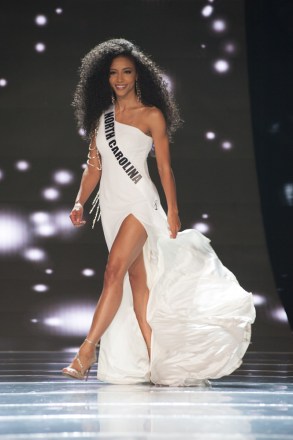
[122,161]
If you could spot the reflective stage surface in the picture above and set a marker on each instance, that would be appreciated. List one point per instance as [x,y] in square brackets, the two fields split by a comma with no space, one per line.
[38,403]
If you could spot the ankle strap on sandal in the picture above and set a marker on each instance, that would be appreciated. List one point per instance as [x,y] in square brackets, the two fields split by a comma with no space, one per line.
[91,342]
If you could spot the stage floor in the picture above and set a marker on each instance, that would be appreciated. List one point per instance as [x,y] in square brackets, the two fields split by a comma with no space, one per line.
[37,402]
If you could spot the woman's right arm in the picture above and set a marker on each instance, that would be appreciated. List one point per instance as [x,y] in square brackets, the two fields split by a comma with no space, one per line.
[89,181]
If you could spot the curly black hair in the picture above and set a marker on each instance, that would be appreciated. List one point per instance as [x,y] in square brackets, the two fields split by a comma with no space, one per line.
[93,92]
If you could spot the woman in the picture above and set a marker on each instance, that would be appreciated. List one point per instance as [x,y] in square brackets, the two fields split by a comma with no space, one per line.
[169,311]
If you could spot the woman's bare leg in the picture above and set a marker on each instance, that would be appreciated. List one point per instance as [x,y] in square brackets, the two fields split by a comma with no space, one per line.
[140,292]
[127,246]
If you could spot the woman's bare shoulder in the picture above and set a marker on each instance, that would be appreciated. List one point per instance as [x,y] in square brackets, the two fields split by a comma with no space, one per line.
[153,115]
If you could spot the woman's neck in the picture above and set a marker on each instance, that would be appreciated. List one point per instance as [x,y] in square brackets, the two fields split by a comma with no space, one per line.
[127,103]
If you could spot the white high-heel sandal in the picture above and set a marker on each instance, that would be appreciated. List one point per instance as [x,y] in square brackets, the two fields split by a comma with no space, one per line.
[82,373]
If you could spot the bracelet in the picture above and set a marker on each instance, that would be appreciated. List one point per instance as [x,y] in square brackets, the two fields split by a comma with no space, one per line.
[93,157]
[94,166]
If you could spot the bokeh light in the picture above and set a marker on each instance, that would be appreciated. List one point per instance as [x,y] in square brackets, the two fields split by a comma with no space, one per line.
[46,230]
[63,177]
[62,221]
[3,82]
[280,315]
[49,271]
[41,20]
[40,288]
[221,66]
[22,165]
[288,193]
[34,254]
[219,25]
[207,11]
[58,11]
[40,217]
[210,135]
[62,317]
[53,322]
[226,145]
[14,233]
[87,272]
[51,194]
[230,47]
[201,227]
[40,47]
[258,299]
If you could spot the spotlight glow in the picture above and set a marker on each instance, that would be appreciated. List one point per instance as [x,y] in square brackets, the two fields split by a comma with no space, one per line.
[221,66]
[34,254]
[258,300]
[3,82]
[207,11]
[49,271]
[43,224]
[88,272]
[219,25]
[51,194]
[58,10]
[210,135]
[280,315]
[34,320]
[226,145]
[13,233]
[63,223]
[40,217]
[205,216]
[70,319]
[40,47]
[2,174]
[63,177]
[40,288]
[201,227]
[81,131]
[203,46]
[22,165]
[46,230]
[83,166]
[288,193]
[41,20]
[53,321]
[230,47]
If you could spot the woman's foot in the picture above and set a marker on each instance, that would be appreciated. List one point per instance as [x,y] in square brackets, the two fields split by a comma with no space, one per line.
[83,361]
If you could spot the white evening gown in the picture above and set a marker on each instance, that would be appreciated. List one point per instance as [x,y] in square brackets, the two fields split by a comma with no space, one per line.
[200,316]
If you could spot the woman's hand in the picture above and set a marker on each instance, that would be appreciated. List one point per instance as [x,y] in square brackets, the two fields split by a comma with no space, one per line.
[174,223]
[77,214]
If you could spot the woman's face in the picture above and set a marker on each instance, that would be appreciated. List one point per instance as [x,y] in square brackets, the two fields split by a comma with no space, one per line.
[122,76]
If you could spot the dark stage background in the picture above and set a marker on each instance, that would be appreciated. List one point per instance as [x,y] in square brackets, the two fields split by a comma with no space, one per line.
[51,273]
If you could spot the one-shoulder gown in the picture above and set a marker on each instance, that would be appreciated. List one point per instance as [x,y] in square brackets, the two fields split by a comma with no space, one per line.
[199,314]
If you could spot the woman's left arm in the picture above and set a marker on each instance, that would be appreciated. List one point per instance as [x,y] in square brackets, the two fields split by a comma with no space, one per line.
[158,130]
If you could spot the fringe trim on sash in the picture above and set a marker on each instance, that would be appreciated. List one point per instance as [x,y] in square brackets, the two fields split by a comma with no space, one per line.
[96,205]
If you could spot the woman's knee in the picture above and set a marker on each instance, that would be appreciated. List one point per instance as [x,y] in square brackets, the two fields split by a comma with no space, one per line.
[114,272]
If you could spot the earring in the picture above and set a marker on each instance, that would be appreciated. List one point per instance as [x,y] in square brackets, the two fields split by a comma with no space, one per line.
[113,98]
[138,91]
